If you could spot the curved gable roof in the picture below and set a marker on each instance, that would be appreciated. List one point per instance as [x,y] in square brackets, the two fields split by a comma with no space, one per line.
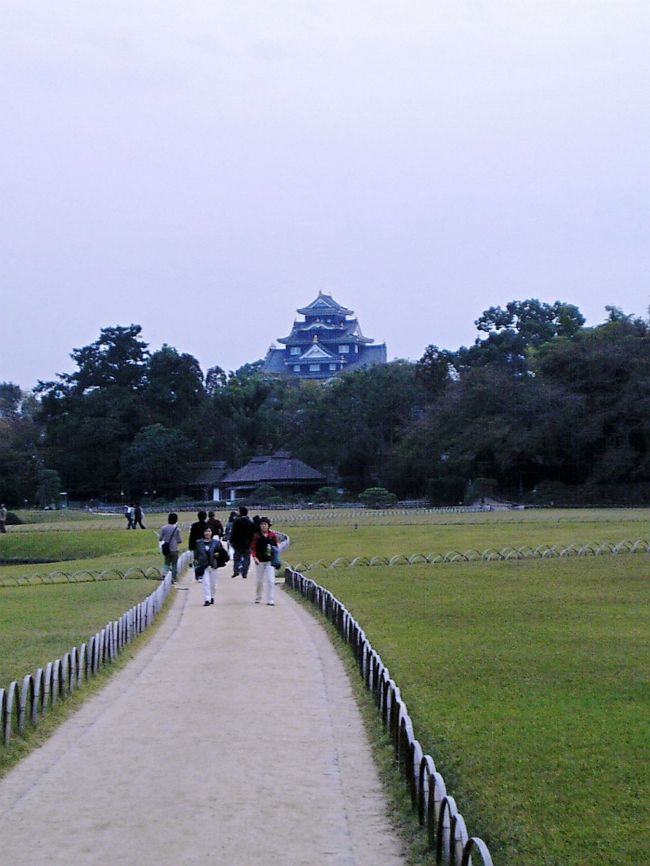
[324,305]
[281,467]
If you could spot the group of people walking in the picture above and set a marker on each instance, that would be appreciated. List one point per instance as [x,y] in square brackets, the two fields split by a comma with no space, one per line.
[209,542]
[134,514]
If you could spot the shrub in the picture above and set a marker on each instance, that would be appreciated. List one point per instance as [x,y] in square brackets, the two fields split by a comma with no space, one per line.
[445,491]
[265,493]
[377,497]
[479,488]
[13,519]
[326,494]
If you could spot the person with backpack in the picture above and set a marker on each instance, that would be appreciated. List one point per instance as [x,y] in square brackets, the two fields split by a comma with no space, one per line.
[241,536]
[170,538]
[262,549]
[209,555]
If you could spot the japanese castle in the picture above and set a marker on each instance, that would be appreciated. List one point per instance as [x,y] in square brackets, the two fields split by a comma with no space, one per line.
[327,343]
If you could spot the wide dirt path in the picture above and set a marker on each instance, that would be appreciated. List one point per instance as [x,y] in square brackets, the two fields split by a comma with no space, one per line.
[232,738]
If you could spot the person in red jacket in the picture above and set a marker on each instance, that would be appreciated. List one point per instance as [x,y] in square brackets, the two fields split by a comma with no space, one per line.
[261,550]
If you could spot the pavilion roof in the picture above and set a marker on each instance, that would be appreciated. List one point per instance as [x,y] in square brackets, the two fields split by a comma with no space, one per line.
[207,472]
[281,467]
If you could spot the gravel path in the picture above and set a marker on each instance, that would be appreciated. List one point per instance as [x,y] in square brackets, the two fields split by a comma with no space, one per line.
[232,738]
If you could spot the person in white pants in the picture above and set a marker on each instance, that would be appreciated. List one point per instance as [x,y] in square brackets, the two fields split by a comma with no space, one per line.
[261,553]
[205,551]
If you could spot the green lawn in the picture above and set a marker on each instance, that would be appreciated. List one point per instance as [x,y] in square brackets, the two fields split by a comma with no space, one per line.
[528,683]
[343,536]
[38,624]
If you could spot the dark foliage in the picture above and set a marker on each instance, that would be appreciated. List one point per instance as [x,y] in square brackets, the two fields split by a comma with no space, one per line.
[544,408]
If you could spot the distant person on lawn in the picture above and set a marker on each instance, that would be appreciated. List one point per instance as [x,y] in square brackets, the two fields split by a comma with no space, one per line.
[3,518]
[170,535]
[138,514]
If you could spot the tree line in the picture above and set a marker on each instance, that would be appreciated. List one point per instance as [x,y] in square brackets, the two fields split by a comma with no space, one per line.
[540,408]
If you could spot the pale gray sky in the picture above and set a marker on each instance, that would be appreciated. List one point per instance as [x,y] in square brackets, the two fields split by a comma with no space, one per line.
[170,163]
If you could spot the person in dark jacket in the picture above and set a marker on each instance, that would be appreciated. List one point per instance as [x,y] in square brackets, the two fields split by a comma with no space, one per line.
[138,514]
[215,525]
[170,535]
[241,536]
[196,531]
[229,523]
[206,564]
[263,541]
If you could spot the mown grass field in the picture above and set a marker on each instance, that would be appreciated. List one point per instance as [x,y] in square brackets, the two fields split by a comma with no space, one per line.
[527,681]
[345,534]
[38,623]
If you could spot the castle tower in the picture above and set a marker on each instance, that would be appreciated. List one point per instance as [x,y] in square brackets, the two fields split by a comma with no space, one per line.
[327,343]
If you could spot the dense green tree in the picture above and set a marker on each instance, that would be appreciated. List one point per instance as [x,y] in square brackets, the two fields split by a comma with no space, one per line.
[534,321]
[173,392]
[155,462]
[433,370]
[364,416]
[538,400]
[608,370]
[91,414]
[516,330]
[19,441]
[49,488]
[117,359]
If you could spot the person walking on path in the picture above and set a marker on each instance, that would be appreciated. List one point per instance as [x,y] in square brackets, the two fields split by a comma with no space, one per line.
[128,514]
[170,538]
[262,549]
[196,532]
[197,529]
[241,536]
[3,518]
[206,563]
[229,524]
[215,524]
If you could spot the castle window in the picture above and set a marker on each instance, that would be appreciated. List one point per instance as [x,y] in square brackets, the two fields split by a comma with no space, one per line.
[344,350]
[296,368]
[332,366]
[295,350]
[314,368]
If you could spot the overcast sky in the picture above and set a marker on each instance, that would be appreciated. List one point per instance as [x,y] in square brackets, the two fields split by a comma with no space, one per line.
[204,168]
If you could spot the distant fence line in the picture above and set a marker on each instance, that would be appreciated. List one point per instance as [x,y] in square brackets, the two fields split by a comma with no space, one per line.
[83,576]
[437,810]
[24,704]
[542,551]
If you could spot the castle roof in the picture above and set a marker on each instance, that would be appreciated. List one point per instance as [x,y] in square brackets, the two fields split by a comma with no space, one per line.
[324,305]
[327,332]
[329,341]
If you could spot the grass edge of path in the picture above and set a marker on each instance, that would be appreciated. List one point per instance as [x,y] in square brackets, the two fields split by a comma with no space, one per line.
[402,818]
[20,746]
